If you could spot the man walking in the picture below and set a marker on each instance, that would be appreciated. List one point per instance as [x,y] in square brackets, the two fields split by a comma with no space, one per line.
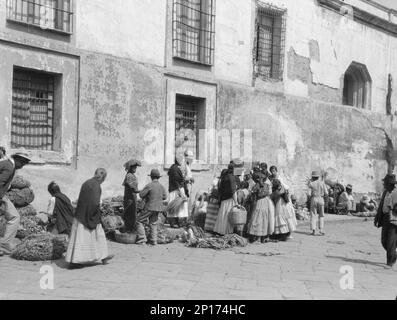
[7,173]
[387,219]
[318,197]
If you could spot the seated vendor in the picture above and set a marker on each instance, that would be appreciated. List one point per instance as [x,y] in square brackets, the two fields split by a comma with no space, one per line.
[367,204]
[346,200]
[60,210]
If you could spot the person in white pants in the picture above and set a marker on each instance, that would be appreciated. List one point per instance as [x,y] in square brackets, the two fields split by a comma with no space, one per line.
[318,196]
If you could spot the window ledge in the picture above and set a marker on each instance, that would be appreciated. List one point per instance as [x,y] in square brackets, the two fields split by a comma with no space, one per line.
[40,27]
[43,158]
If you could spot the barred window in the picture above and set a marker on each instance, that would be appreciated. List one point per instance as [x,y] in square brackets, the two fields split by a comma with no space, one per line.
[269,43]
[194,30]
[189,120]
[32,110]
[47,14]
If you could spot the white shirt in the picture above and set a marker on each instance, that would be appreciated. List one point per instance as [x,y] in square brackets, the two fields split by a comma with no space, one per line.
[51,206]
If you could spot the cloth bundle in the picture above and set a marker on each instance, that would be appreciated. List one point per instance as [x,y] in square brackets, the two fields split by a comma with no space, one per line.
[176,205]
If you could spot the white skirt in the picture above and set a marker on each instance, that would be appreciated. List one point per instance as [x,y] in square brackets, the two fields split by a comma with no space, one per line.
[183,212]
[86,246]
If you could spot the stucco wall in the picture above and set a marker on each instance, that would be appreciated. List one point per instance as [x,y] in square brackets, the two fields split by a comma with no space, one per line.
[300,135]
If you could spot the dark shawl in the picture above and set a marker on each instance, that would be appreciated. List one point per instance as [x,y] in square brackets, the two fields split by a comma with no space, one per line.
[379,219]
[63,213]
[227,186]
[88,206]
[176,179]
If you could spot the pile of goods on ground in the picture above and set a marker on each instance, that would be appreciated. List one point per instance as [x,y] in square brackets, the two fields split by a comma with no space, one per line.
[43,247]
[166,235]
[218,243]
[364,214]
[198,239]
[111,214]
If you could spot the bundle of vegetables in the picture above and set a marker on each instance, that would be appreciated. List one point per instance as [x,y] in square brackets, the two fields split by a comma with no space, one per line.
[28,211]
[21,197]
[112,223]
[30,226]
[112,206]
[43,247]
[218,243]
[20,183]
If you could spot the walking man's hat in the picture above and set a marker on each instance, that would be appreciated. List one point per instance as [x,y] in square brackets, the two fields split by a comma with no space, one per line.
[155,173]
[349,186]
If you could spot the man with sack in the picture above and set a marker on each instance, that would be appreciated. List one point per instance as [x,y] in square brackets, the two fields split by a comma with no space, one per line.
[387,219]
[7,173]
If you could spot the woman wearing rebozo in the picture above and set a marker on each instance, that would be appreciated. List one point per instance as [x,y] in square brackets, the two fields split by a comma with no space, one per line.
[177,209]
[88,244]
[228,199]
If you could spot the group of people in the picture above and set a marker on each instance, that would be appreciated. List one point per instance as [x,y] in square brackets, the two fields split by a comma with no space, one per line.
[264,195]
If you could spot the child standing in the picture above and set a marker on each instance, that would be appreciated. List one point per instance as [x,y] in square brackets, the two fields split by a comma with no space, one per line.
[154,195]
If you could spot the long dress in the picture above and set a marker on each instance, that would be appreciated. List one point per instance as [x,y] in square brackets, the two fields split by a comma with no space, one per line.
[227,189]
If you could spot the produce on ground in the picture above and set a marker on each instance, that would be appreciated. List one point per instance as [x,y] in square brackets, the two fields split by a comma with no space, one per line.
[27,211]
[44,247]
[30,226]
[20,182]
[21,197]
[218,243]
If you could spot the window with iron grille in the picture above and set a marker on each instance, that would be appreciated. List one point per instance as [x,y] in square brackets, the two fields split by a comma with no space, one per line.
[48,14]
[32,110]
[269,43]
[194,30]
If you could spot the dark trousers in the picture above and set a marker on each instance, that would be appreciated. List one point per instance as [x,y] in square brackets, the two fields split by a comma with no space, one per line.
[389,242]
[153,217]
[130,214]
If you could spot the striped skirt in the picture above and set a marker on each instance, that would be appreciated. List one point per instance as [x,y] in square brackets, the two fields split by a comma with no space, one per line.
[86,246]
[212,215]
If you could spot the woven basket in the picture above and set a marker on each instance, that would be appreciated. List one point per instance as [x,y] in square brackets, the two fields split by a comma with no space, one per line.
[125,238]
[238,216]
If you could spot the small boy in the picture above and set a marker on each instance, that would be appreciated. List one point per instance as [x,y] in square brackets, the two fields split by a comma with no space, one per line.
[154,195]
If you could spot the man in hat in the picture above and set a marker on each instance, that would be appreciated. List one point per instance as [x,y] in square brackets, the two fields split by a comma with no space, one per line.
[7,173]
[130,185]
[347,202]
[387,219]
[154,195]
[318,197]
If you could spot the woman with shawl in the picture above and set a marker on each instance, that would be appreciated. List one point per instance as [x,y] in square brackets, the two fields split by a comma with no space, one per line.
[88,244]
[228,199]
[177,210]
[60,209]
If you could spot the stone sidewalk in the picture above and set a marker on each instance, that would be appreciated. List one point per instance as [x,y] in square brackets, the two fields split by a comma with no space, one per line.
[305,268]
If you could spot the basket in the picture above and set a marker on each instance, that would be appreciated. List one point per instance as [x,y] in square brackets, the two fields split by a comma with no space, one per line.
[125,238]
[238,216]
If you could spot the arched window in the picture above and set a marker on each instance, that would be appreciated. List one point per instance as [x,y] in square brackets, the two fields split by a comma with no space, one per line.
[357,86]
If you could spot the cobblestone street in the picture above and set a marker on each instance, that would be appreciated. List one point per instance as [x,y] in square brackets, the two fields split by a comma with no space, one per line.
[305,268]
